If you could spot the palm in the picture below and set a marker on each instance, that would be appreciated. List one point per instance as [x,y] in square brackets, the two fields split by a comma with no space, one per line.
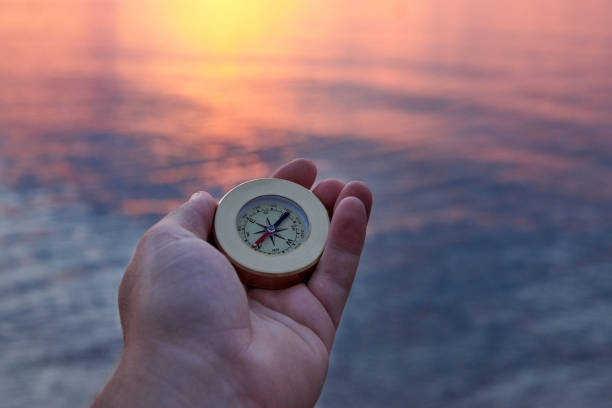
[277,341]
[248,326]
[301,355]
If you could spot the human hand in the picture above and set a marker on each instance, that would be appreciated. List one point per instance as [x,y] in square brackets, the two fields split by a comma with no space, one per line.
[194,336]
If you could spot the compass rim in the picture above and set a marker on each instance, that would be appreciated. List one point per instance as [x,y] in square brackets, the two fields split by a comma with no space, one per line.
[265,265]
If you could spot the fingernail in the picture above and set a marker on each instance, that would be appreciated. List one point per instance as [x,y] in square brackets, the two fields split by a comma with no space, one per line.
[195,195]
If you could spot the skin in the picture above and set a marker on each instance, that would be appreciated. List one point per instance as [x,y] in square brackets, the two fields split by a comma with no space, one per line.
[194,336]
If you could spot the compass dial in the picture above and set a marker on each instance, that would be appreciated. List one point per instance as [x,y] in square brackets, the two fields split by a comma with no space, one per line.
[272,225]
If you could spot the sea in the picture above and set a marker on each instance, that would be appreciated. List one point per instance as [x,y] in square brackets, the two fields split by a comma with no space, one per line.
[484,129]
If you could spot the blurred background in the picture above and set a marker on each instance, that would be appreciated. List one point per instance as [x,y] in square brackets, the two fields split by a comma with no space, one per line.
[483,127]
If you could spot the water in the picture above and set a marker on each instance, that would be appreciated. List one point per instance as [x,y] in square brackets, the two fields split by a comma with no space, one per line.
[483,129]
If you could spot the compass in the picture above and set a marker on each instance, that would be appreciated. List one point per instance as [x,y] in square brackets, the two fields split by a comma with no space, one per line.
[272,230]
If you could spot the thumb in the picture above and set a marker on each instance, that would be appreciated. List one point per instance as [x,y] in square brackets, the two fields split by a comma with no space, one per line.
[195,215]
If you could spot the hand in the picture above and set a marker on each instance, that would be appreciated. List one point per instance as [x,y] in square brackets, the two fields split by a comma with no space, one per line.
[194,336]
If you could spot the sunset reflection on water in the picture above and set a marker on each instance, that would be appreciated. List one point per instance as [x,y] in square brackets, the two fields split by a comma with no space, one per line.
[187,94]
[482,127]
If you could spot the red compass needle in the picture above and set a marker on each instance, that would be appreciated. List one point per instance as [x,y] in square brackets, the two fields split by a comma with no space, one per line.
[270,229]
[261,239]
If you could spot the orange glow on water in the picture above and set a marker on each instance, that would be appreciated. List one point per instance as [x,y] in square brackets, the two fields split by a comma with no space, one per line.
[198,81]
[222,27]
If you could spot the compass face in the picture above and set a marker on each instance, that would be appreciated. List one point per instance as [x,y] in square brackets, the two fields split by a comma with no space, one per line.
[272,225]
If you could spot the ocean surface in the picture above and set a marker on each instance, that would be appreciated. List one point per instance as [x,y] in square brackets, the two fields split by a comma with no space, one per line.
[483,128]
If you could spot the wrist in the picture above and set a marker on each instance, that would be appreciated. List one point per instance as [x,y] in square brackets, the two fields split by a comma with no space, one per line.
[160,374]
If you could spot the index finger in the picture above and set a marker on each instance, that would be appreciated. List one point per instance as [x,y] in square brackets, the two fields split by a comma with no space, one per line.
[300,171]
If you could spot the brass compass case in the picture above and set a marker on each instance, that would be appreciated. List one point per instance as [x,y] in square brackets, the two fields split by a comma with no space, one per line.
[272,230]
